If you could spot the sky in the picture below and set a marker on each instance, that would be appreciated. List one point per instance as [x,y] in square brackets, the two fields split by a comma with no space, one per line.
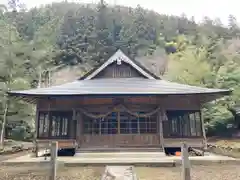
[197,8]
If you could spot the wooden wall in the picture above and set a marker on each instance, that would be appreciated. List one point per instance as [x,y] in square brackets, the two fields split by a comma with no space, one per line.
[119,140]
[188,102]
[135,140]
[177,142]
[118,71]
[104,104]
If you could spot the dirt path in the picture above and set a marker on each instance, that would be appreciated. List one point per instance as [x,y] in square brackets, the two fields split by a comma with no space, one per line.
[211,172]
[42,173]
[14,155]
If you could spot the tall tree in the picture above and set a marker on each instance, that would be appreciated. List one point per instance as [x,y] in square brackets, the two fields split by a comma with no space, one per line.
[11,64]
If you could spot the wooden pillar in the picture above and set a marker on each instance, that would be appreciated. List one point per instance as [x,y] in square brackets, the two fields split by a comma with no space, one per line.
[54,150]
[72,125]
[138,125]
[100,126]
[36,131]
[118,120]
[49,119]
[79,129]
[185,163]
[203,131]
[160,122]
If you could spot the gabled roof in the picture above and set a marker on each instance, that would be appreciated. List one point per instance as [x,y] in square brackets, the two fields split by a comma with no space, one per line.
[86,86]
[119,57]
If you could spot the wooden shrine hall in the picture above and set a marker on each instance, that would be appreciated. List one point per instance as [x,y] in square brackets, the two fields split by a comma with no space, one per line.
[120,104]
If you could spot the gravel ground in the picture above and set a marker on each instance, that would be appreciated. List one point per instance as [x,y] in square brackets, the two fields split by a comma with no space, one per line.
[42,173]
[213,172]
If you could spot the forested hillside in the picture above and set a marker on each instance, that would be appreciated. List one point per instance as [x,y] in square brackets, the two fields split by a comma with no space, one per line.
[43,42]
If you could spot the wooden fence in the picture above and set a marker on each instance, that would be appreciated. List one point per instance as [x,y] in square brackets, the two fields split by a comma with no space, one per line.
[186,175]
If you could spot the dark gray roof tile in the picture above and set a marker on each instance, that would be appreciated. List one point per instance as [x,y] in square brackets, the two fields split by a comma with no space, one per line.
[121,86]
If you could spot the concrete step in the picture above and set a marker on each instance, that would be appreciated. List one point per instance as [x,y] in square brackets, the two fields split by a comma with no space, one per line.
[127,149]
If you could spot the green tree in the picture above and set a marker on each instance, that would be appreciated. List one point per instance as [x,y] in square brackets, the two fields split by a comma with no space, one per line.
[11,68]
[182,67]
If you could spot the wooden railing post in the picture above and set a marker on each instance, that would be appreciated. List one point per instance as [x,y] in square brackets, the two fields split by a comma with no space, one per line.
[185,163]
[53,162]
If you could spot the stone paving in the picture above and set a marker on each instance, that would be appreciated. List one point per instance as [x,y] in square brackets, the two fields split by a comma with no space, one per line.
[119,173]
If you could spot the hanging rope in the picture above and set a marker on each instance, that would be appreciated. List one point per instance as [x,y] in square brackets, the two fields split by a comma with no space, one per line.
[95,116]
[163,115]
[124,108]
[141,114]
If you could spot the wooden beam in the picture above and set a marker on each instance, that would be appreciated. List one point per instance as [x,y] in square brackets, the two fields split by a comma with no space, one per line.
[72,127]
[118,120]
[36,132]
[79,128]
[203,131]
[54,150]
[31,100]
[185,163]
[160,121]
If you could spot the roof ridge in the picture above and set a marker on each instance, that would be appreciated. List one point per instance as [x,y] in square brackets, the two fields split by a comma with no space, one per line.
[120,55]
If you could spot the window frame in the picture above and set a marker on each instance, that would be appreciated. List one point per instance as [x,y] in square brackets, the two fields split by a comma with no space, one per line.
[128,124]
[183,127]
[64,119]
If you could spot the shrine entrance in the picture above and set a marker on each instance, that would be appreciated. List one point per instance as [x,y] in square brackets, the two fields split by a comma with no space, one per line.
[120,129]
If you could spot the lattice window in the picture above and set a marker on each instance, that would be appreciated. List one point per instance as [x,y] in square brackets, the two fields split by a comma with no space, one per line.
[91,126]
[198,123]
[148,125]
[107,125]
[128,124]
[174,126]
[43,125]
[110,124]
[183,124]
[64,126]
[193,125]
[56,126]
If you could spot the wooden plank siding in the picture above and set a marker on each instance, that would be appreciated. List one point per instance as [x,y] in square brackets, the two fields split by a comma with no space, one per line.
[118,71]
[104,104]
[191,141]
[187,102]
[120,140]
[135,140]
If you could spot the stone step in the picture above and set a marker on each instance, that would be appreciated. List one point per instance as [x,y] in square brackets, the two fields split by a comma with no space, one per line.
[128,149]
[119,173]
